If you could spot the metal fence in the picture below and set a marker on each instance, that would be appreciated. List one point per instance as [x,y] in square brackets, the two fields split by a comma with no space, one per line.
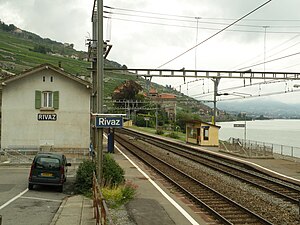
[257,148]
[101,213]
[26,155]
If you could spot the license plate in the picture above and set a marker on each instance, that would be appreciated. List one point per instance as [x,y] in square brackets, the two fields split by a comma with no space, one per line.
[47,174]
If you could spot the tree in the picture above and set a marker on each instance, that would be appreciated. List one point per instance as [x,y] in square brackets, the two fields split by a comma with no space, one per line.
[128,90]
[182,117]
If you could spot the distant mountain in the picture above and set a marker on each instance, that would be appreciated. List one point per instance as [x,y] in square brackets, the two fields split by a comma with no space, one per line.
[268,108]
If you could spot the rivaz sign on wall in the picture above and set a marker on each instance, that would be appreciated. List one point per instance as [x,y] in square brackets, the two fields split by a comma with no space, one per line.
[46,117]
[108,122]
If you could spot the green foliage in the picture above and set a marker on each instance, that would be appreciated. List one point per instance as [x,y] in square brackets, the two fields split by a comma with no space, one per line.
[182,117]
[41,49]
[119,195]
[173,135]
[128,90]
[159,132]
[7,28]
[84,177]
[113,174]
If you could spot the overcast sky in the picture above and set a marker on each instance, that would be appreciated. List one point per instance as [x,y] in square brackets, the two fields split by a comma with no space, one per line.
[149,33]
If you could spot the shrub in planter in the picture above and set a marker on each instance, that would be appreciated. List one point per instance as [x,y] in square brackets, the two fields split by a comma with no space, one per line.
[84,177]
[113,174]
[119,195]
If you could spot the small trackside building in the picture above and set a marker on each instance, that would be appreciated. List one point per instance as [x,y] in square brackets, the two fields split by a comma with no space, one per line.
[202,133]
[45,107]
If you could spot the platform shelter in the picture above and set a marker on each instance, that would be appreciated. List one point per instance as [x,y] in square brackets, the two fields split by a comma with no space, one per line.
[202,133]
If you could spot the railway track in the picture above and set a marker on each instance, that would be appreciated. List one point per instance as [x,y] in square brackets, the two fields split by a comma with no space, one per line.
[286,191]
[222,208]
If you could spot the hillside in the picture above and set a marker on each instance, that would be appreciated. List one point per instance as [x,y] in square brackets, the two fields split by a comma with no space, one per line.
[21,50]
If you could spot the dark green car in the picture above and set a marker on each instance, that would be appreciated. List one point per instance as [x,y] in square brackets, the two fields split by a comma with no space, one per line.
[48,169]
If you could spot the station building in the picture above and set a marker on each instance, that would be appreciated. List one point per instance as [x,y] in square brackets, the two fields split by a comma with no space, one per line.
[202,133]
[45,107]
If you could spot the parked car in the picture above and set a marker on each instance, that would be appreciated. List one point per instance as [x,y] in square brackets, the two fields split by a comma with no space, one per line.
[48,169]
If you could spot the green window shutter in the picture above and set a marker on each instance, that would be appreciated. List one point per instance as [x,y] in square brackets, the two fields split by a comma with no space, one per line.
[55,99]
[38,99]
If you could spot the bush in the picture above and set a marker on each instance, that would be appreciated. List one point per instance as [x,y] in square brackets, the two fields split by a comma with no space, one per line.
[159,132]
[119,195]
[113,174]
[84,177]
[173,135]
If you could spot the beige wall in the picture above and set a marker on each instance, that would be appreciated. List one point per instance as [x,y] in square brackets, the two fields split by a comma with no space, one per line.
[20,126]
[191,134]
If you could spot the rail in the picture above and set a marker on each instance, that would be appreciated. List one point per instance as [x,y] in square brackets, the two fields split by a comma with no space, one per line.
[101,213]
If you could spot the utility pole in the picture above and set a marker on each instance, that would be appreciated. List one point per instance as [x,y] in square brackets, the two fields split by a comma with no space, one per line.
[99,81]
[216,84]
[197,20]
[265,38]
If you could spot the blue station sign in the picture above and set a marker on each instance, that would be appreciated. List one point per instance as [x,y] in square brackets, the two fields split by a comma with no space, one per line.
[108,122]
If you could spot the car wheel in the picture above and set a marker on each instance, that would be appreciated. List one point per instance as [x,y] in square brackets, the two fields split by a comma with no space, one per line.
[30,186]
[61,188]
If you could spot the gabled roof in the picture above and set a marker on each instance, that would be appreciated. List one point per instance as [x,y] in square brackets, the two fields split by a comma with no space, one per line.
[167,96]
[201,122]
[42,67]
[153,91]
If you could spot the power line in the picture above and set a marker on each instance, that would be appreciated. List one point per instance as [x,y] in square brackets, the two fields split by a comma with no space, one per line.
[261,95]
[283,57]
[203,28]
[277,46]
[215,34]
[193,20]
[204,18]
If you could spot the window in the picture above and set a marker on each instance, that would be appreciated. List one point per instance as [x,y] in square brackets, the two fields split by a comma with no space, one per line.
[46,99]
[206,133]
[47,163]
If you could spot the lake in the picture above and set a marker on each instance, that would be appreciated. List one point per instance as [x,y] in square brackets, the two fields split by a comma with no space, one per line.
[280,132]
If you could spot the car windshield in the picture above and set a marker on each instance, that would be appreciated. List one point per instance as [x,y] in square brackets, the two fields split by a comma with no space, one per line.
[47,163]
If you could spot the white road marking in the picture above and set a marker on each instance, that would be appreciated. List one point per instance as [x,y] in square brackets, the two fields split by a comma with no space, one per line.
[13,199]
[42,199]
[175,204]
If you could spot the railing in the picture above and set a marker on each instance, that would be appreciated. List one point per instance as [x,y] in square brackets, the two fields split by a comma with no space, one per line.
[101,213]
[257,148]
[18,155]
[25,154]
[247,148]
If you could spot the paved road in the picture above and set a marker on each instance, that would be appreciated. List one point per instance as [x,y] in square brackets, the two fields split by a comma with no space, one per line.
[19,206]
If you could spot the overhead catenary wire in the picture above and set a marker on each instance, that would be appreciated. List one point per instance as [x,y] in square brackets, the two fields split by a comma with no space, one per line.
[192,20]
[276,47]
[272,60]
[203,28]
[220,31]
[261,95]
[206,18]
